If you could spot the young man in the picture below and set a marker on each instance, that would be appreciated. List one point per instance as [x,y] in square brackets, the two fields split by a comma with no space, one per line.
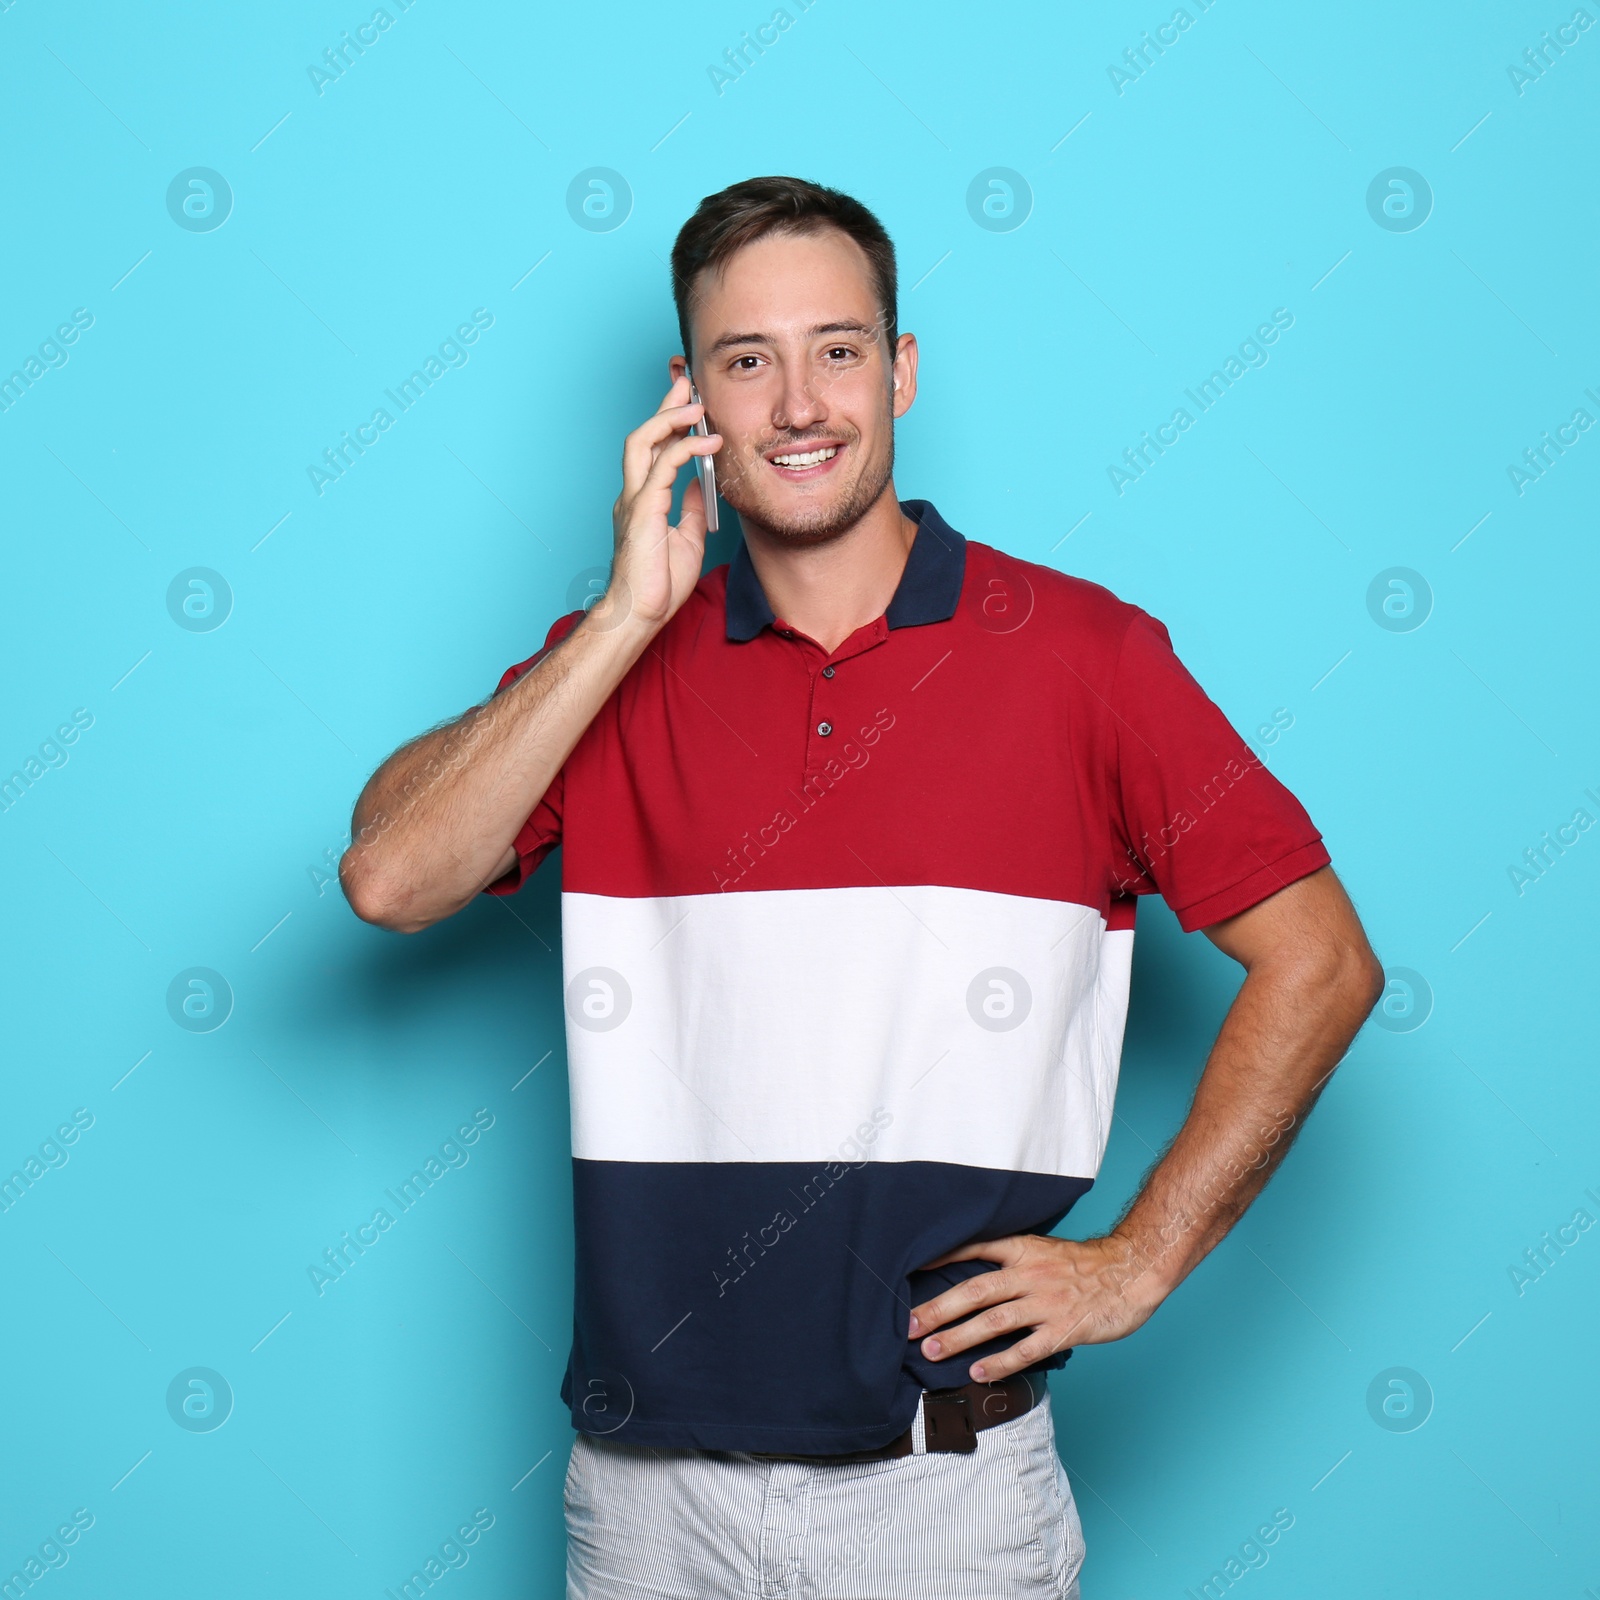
[853,833]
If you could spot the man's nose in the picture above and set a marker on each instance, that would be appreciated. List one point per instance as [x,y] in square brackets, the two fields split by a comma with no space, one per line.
[799,406]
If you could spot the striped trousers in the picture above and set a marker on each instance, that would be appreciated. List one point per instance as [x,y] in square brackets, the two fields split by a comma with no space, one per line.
[997,1523]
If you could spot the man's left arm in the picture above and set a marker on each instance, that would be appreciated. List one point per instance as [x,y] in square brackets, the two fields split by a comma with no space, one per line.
[1310,980]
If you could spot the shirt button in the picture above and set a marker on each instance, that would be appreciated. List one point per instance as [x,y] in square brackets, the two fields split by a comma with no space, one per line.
[827,672]
[824,728]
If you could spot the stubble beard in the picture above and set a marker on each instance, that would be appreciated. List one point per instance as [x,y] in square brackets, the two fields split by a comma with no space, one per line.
[823,522]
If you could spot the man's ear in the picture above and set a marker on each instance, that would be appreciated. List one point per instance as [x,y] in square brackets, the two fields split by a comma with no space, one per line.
[903,389]
[676,367]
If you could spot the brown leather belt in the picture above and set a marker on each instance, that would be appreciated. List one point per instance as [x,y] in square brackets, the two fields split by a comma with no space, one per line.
[952,1419]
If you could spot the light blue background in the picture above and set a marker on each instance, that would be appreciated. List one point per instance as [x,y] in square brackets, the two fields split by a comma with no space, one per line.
[1166,223]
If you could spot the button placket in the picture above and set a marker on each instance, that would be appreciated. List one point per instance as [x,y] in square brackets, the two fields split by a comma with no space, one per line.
[828,720]
[822,735]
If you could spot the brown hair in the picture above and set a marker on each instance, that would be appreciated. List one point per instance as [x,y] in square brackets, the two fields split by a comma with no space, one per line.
[726,222]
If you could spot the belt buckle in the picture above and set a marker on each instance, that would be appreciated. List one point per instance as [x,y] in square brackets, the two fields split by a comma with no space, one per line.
[947,1421]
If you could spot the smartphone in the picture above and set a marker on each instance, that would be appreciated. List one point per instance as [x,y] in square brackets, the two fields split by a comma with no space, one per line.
[704,465]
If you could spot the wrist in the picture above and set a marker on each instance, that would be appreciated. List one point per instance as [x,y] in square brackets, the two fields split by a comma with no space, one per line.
[1147,1267]
[616,620]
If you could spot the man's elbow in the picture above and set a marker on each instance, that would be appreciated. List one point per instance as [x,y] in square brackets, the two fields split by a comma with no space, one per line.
[378,899]
[1356,975]
[1376,981]
[1333,967]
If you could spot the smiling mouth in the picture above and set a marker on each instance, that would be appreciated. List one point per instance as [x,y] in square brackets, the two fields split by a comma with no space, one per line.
[801,460]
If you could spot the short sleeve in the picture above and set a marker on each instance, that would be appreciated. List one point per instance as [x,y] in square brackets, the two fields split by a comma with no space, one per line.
[541,833]
[1195,815]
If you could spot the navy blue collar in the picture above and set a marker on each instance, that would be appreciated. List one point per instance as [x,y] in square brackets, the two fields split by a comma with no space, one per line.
[928,591]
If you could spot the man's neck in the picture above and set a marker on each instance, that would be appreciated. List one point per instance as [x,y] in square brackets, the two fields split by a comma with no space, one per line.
[829,590]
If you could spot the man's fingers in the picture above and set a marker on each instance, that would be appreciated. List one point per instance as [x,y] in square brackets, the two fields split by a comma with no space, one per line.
[991,1369]
[983,1250]
[990,1323]
[645,521]
[986,1289]
[641,447]
[1064,1292]
[979,1290]
[670,457]
[692,513]
[675,395]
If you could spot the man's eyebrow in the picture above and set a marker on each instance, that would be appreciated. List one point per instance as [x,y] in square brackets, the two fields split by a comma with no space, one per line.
[728,340]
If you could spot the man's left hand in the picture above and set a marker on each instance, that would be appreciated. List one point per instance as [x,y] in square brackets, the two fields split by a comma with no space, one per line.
[1064,1291]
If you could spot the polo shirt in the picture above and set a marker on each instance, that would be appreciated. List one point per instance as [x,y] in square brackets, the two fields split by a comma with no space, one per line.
[846,949]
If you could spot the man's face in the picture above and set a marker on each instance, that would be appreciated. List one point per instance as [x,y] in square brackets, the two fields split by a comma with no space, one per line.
[793,365]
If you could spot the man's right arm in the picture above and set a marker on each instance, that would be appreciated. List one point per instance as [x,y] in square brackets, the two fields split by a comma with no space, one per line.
[435,823]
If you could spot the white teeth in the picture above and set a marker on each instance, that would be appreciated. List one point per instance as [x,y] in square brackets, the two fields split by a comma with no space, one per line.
[809,459]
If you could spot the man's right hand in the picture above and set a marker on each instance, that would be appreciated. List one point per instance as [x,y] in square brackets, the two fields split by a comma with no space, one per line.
[657,565]
[436,822]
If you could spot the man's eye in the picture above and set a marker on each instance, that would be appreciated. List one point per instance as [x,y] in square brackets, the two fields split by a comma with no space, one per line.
[739,362]
[842,351]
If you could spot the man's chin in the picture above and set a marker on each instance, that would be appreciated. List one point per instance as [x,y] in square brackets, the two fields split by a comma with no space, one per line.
[813,528]
[816,522]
